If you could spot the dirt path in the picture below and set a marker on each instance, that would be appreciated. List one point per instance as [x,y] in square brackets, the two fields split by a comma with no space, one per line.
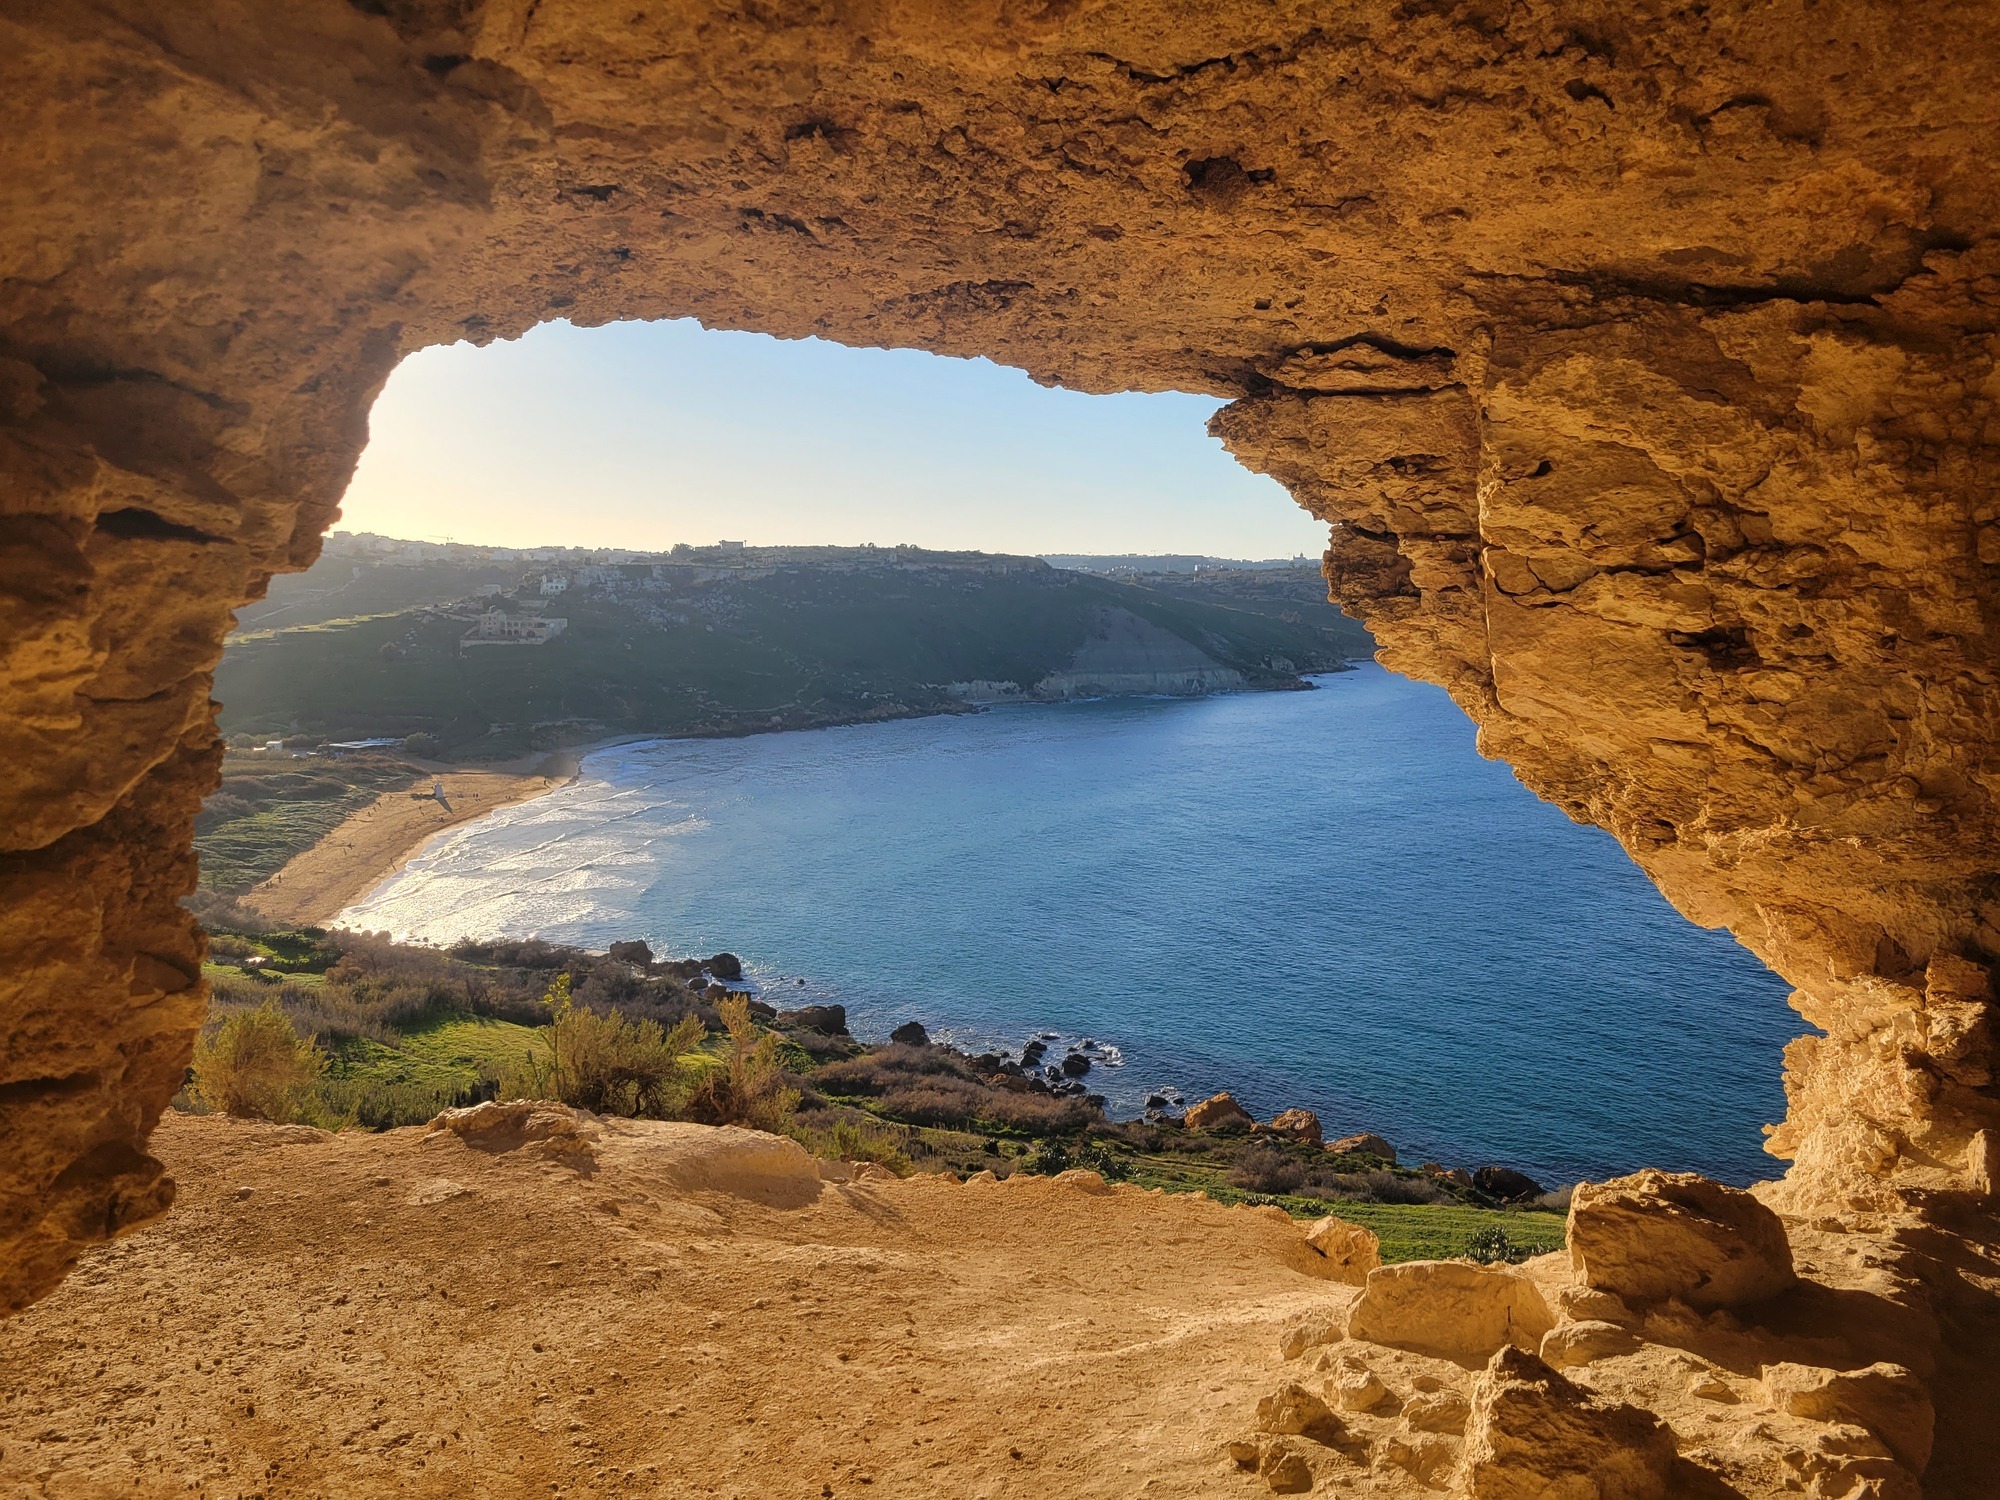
[392,1314]
[381,838]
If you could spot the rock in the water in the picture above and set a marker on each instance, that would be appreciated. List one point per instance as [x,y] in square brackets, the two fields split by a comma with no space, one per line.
[1886,1399]
[1506,1184]
[1075,1065]
[634,952]
[725,966]
[1364,1145]
[1534,1435]
[1656,1235]
[1220,1115]
[911,1034]
[1299,1124]
[1033,1053]
[1572,1344]
[1349,1251]
[1449,1308]
[827,1020]
[1156,1101]
[1294,1411]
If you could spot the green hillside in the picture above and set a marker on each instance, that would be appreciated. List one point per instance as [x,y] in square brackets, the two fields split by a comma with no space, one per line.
[776,638]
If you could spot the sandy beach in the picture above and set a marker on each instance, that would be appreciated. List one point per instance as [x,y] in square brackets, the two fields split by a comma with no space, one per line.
[382,837]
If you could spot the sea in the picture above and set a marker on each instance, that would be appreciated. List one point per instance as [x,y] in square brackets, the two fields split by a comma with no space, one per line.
[1322,899]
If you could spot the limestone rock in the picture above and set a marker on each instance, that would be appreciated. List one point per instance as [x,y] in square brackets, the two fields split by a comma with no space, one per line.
[1349,1251]
[1437,1411]
[1571,1344]
[1427,1457]
[1310,1331]
[1364,1145]
[1294,1411]
[1355,1387]
[1285,1470]
[1450,1308]
[538,1126]
[1220,1115]
[1886,1399]
[1656,1235]
[911,1034]
[1299,1124]
[1534,1435]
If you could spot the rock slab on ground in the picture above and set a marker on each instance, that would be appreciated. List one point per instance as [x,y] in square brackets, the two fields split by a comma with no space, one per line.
[1659,1235]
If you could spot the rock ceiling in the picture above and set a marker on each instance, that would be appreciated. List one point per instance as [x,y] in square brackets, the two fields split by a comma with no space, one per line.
[1640,358]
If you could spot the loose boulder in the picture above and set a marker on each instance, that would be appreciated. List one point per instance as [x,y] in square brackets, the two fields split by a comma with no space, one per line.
[1220,1115]
[1656,1235]
[725,966]
[827,1020]
[1506,1184]
[1075,1065]
[1364,1145]
[635,952]
[1886,1399]
[911,1034]
[1299,1124]
[535,1127]
[1571,1344]
[1294,1411]
[1449,1308]
[1348,1251]
[1533,1434]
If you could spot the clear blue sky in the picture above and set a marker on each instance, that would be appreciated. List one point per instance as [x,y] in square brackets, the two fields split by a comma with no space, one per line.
[646,434]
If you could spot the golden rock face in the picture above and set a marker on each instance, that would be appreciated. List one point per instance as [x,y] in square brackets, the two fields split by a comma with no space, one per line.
[1641,358]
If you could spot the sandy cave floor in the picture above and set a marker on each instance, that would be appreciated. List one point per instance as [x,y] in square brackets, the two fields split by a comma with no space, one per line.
[374,1314]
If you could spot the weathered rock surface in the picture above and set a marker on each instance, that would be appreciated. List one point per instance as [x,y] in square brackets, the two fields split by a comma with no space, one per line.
[1450,1308]
[1365,1145]
[1350,1251]
[1656,1235]
[911,1034]
[1535,1435]
[1300,1124]
[1568,1345]
[1641,360]
[1886,1399]
[1221,1114]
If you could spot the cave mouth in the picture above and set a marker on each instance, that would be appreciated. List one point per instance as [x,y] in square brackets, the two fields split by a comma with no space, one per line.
[1455,986]
[1644,380]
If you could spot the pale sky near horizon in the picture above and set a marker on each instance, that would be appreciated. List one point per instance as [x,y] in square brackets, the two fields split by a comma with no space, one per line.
[641,435]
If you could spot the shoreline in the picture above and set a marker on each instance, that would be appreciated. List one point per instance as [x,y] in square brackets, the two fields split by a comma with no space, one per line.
[376,842]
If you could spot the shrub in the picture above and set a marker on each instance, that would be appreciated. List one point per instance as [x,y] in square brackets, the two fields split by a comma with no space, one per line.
[1493,1245]
[254,1064]
[606,1063]
[1266,1169]
[750,1088]
[1049,1158]
[1379,1186]
[854,1140]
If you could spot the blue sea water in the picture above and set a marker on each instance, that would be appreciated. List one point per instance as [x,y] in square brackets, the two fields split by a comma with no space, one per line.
[1321,898]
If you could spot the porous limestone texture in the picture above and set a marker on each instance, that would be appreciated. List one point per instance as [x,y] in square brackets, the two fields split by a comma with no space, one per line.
[1639,356]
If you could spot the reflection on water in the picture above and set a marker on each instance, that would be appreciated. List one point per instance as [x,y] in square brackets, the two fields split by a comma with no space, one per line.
[1322,898]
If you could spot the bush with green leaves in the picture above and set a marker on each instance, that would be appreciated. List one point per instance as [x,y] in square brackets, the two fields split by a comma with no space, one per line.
[609,1064]
[254,1064]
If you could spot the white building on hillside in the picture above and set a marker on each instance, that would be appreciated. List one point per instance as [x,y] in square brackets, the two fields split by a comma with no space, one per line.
[555,583]
[500,626]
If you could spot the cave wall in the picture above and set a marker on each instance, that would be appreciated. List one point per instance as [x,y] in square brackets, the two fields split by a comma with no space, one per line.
[1640,357]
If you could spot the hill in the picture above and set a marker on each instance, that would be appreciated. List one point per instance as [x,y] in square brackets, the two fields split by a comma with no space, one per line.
[726,642]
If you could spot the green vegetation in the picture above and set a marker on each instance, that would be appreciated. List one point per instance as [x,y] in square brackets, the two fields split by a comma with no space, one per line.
[807,639]
[269,809]
[343,1029]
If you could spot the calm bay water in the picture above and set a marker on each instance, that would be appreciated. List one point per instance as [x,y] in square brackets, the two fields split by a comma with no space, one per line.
[1324,899]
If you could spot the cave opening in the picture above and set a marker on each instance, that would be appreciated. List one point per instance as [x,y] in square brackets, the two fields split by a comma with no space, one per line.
[1475,1017]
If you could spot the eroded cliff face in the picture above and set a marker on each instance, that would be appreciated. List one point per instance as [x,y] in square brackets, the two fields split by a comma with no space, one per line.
[1642,358]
